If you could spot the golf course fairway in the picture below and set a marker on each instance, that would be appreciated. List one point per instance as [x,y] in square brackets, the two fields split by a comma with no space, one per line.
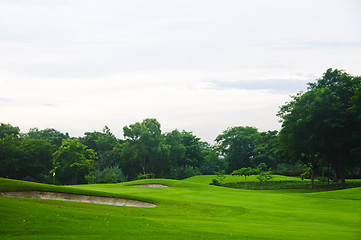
[185,210]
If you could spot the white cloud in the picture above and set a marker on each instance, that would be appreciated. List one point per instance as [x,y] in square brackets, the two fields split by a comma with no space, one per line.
[79,65]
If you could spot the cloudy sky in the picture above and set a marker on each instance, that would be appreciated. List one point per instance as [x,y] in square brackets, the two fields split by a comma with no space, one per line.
[200,65]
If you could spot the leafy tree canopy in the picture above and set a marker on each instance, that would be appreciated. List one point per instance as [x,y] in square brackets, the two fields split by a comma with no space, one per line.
[72,162]
[319,126]
[7,129]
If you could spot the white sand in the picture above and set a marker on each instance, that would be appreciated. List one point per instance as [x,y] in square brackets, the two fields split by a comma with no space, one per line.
[149,185]
[78,198]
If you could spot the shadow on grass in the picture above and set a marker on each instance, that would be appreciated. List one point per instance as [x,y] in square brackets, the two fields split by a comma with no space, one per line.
[291,186]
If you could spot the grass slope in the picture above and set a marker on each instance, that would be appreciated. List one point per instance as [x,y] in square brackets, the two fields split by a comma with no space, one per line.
[207,179]
[187,210]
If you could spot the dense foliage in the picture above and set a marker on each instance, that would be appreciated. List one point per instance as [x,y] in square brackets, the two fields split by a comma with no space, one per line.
[322,126]
[98,157]
[321,131]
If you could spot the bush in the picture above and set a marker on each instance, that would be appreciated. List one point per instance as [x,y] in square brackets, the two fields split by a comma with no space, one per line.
[292,173]
[306,175]
[321,179]
[185,172]
[264,175]
[141,176]
[221,175]
[215,182]
[108,175]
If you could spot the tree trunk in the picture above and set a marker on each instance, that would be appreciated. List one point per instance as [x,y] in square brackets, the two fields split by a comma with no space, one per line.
[143,170]
[341,173]
[143,165]
[245,181]
[343,182]
[75,179]
[328,174]
[335,177]
[312,178]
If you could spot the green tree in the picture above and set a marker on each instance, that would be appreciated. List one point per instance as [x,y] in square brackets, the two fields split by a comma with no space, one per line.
[193,149]
[244,172]
[37,158]
[21,157]
[7,129]
[143,150]
[11,155]
[51,135]
[100,141]
[106,145]
[298,137]
[186,153]
[319,126]
[237,146]
[72,162]
[107,175]
[267,150]
[212,163]
[264,173]
[177,151]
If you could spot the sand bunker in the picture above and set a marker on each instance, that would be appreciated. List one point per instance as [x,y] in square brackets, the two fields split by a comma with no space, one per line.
[78,198]
[149,185]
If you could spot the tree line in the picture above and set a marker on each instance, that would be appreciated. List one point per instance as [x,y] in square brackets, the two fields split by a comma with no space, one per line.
[321,131]
[145,152]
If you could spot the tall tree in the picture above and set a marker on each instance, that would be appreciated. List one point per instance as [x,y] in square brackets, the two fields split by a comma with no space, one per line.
[37,158]
[72,162]
[237,146]
[106,145]
[21,157]
[143,149]
[298,137]
[318,125]
[10,157]
[212,162]
[193,149]
[8,129]
[267,150]
[177,150]
[51,135]
[100,141]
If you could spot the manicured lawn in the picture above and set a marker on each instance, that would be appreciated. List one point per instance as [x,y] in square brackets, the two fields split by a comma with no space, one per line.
[207,179]
[186,210]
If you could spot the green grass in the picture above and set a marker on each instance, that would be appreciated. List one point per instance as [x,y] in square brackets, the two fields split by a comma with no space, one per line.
[277,183]
[187,210]
[207,179]
[291,186]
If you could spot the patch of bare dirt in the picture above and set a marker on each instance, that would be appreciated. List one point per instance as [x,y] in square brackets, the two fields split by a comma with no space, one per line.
[78,198]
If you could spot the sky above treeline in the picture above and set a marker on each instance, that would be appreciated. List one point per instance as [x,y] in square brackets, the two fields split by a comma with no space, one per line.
[200,66]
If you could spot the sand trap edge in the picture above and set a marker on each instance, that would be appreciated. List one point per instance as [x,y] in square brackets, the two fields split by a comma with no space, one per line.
[79,198]
[155,185]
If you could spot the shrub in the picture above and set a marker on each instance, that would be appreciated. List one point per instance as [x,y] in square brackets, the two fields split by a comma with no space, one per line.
[306,175]
[141,176]
[264,175]
[215,182]
[186,172]
[322,179]
[108,175]
[221,175]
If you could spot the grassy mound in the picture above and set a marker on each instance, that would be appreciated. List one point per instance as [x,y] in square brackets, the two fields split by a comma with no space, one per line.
[207,179]
[186,210]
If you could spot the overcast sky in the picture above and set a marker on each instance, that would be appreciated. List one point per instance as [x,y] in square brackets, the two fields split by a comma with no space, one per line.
[201,66]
